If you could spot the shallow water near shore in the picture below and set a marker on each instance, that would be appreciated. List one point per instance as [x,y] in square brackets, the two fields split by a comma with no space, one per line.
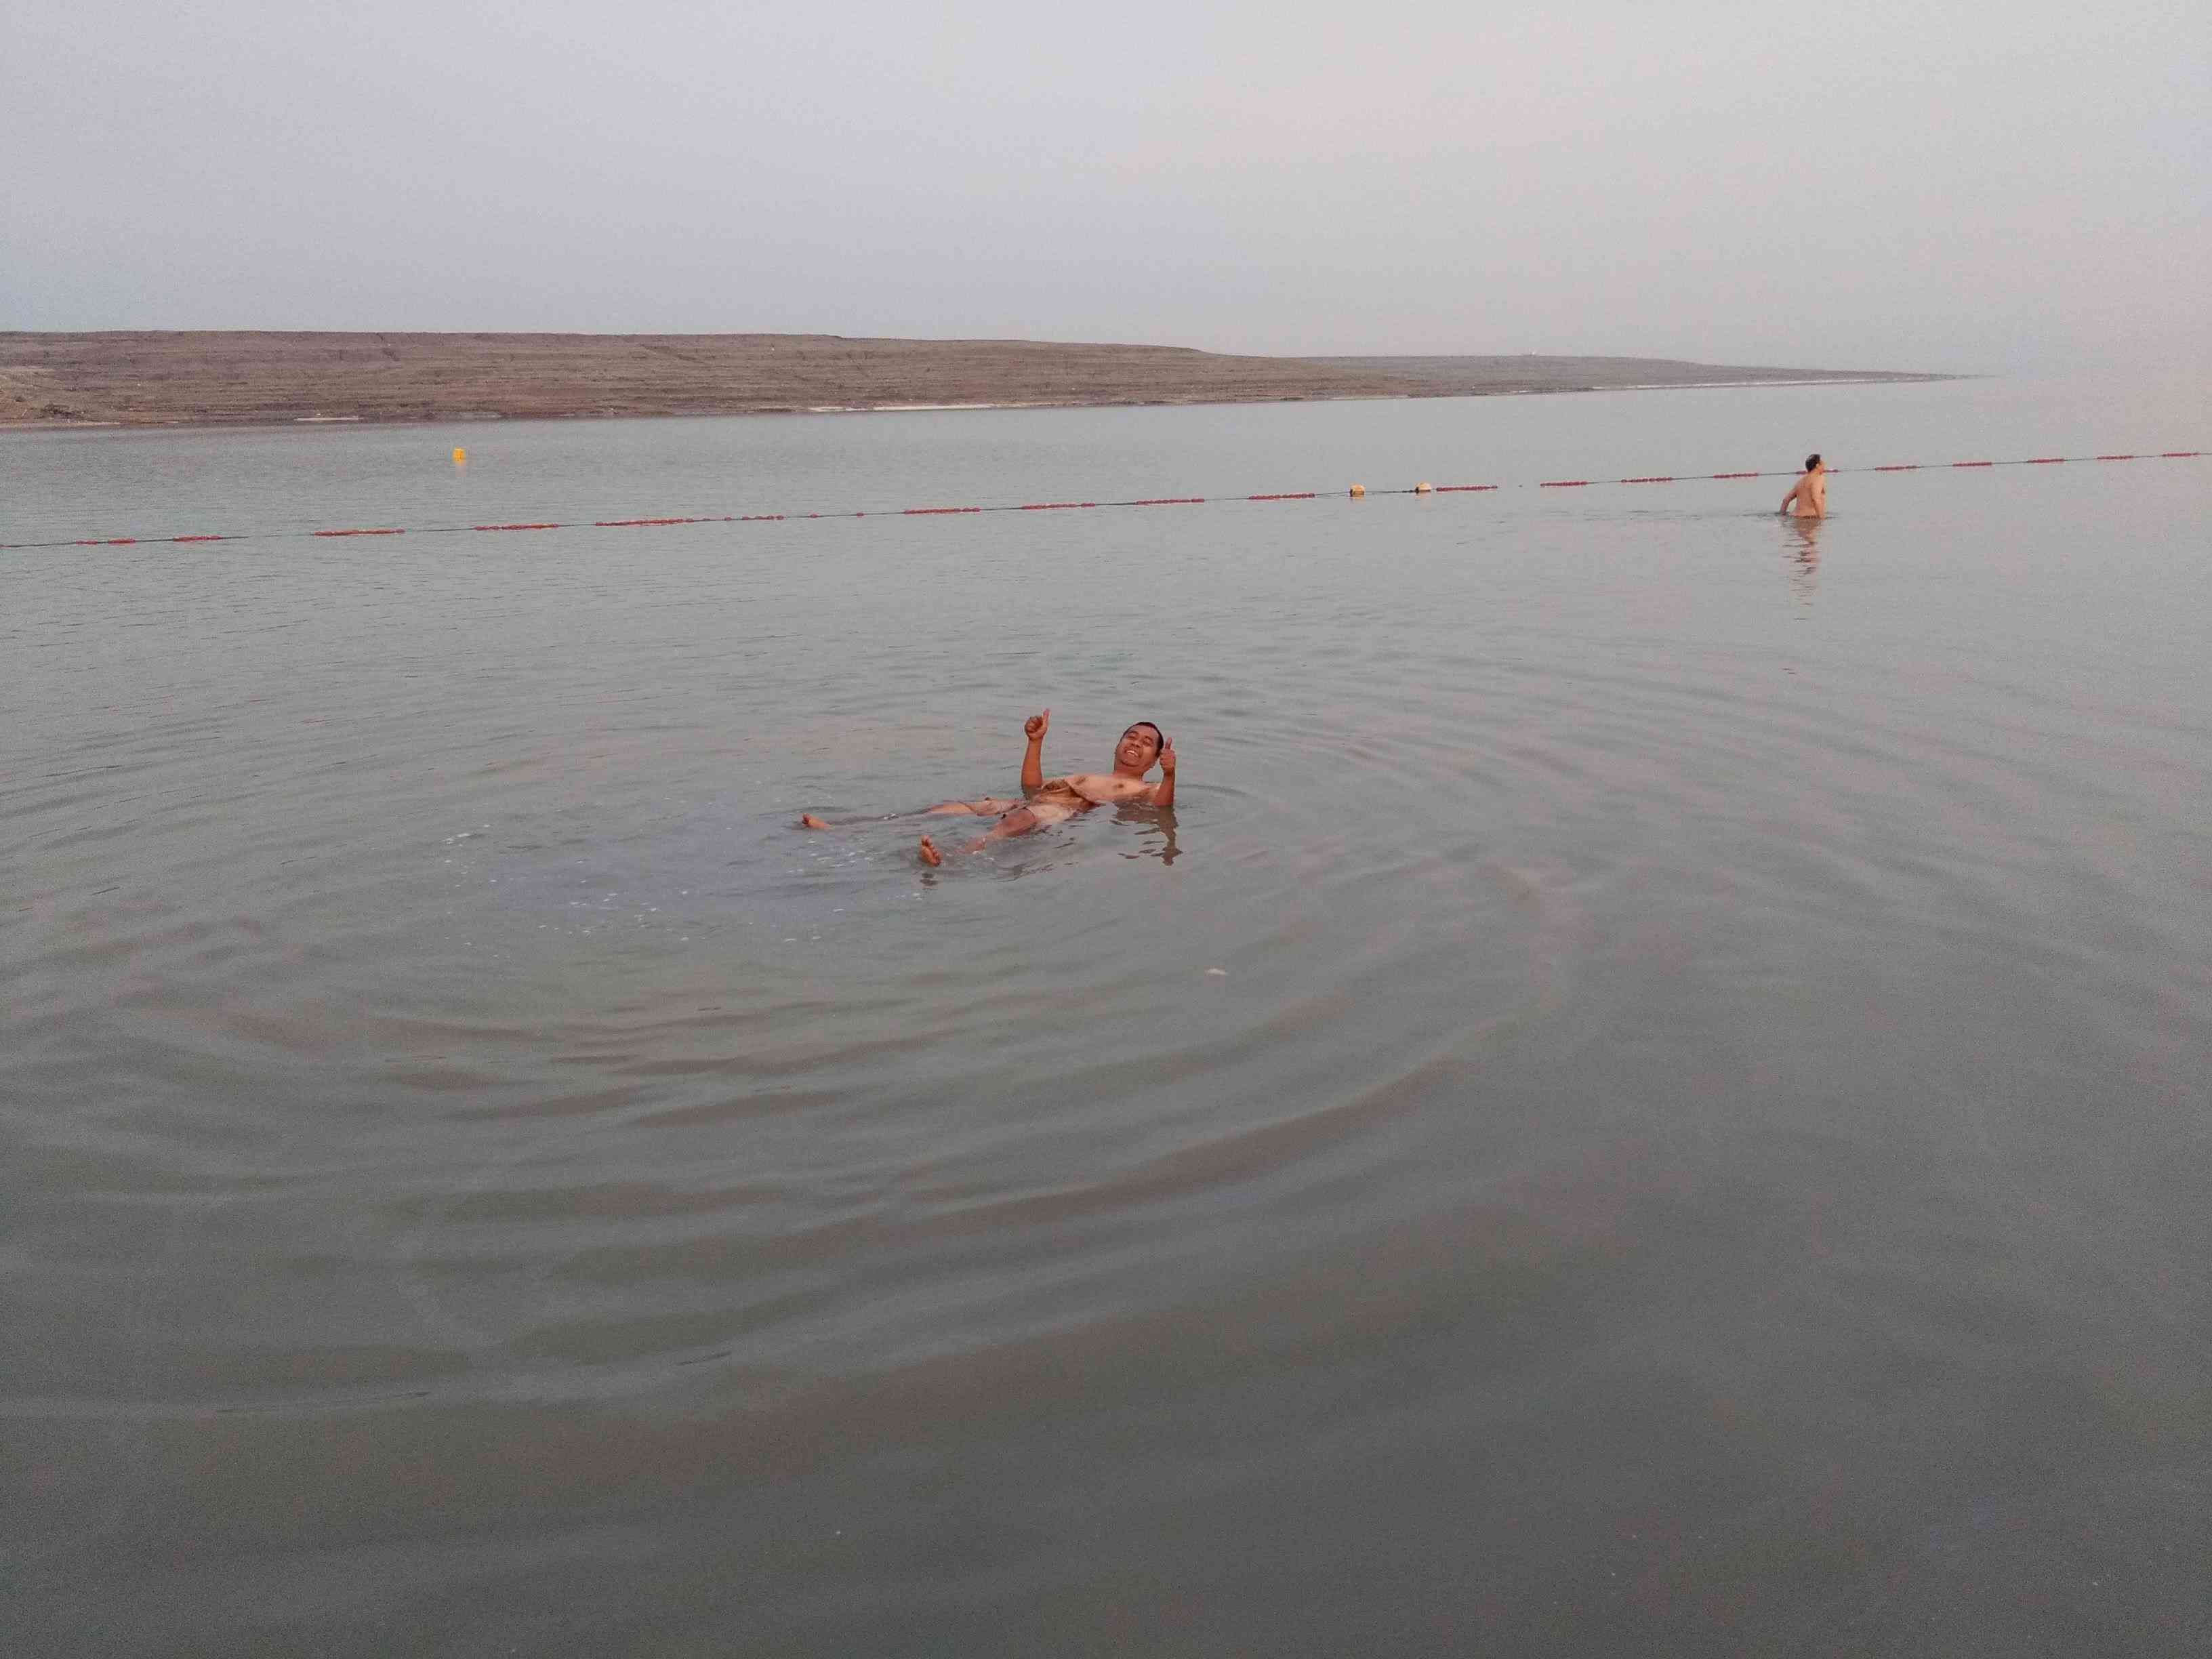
[1650,1095]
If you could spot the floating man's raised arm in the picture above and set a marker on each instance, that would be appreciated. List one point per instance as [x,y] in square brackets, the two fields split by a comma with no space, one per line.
[1034,729]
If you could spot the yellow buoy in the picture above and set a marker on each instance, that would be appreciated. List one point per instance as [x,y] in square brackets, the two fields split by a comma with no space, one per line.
[461,455]
[1424,488]
[1359,490]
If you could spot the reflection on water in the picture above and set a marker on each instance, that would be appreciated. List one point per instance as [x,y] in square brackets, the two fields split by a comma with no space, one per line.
[1160,842]
[1802,539]
[1604,1119]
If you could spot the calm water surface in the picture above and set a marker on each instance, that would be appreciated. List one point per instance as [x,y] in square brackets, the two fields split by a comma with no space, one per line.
[1651,1096]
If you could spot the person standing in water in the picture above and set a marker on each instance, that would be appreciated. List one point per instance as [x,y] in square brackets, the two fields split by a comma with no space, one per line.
[1809,497]
[1054,800]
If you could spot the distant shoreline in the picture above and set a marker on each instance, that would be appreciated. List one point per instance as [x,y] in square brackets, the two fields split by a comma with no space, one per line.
[214,380]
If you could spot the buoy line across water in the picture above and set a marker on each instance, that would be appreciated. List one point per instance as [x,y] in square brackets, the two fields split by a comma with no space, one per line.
[1355,492]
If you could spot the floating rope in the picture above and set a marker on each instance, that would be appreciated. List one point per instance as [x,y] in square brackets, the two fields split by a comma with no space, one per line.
[1060,506]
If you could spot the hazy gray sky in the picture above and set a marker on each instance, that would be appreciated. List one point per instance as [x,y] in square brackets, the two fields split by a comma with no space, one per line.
[1879,185]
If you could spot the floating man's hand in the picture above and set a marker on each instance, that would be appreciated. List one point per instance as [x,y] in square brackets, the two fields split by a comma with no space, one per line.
[1037,726]
[1168,761]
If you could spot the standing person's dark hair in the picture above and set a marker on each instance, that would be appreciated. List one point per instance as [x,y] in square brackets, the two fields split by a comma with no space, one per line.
[1811,461]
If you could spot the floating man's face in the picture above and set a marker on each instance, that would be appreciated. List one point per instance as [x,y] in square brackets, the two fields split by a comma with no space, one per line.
[1139,746]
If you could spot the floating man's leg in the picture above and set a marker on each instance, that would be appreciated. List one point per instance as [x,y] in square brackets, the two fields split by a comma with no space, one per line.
[1019,821]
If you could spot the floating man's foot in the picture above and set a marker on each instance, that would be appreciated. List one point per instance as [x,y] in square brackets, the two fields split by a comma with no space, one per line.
[930,855]
[808,821]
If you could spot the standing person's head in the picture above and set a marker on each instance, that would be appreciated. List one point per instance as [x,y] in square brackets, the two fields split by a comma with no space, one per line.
[1138,747]
[1812,462]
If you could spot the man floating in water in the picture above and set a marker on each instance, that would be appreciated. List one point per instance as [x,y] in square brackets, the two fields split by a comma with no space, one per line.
[1054,800]
[1809,497]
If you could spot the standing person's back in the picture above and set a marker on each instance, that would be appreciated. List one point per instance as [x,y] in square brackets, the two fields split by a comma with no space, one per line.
[1809,497]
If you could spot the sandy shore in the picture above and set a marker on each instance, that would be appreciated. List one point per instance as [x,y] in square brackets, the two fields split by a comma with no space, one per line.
[220,379]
